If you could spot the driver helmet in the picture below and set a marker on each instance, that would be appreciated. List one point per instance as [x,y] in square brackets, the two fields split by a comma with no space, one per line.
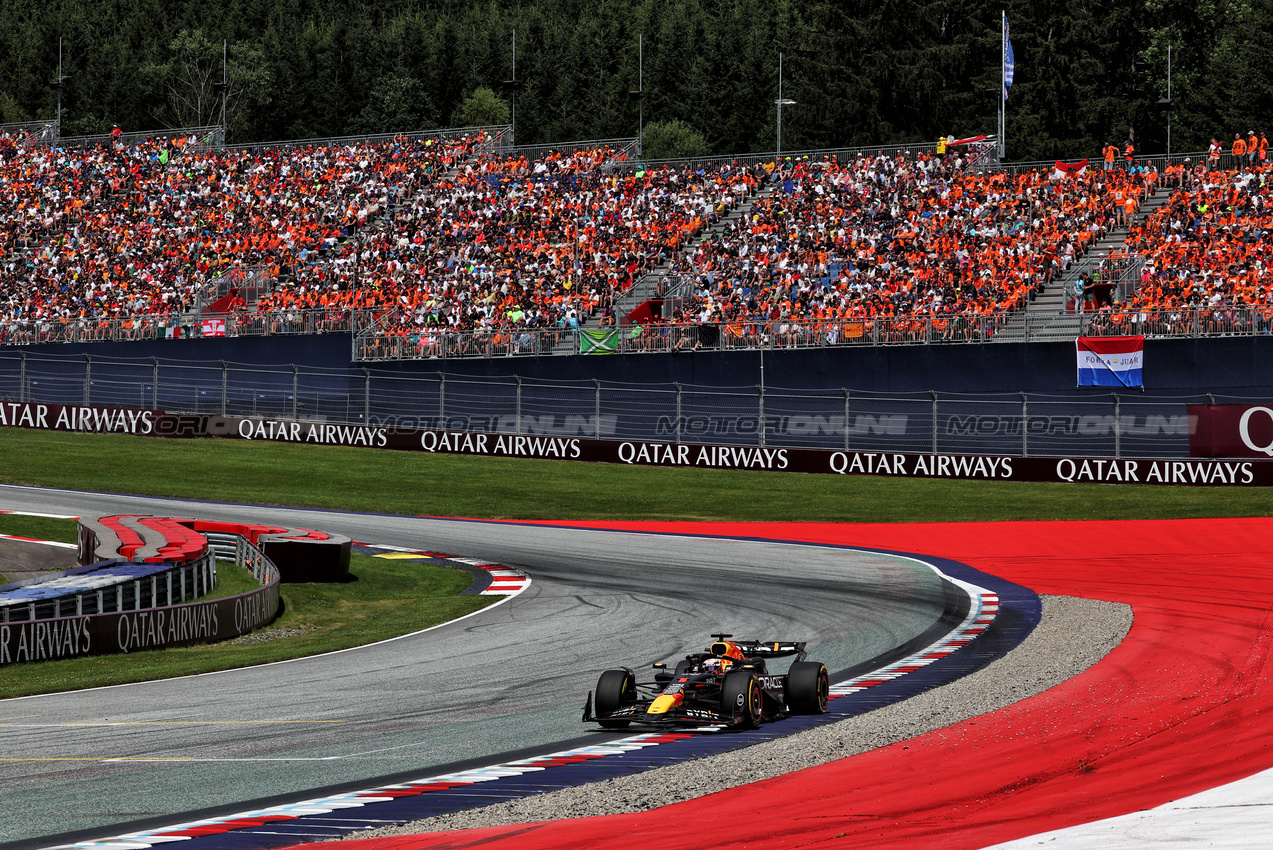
[716,665]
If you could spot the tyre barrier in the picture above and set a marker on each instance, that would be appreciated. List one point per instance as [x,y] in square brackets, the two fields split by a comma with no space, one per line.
[300,554]
[146,539]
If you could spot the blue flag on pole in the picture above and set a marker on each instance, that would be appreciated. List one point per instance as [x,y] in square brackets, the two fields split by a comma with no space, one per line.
[1008,60]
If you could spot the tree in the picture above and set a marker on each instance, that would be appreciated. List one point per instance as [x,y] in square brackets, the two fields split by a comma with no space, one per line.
[862,72]
[482,108]
[10,112]
[397,104]
[189,80]
[672,140]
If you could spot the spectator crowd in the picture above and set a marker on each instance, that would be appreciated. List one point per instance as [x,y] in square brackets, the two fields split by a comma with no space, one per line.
[1206,254]
[436,237]
[912,244]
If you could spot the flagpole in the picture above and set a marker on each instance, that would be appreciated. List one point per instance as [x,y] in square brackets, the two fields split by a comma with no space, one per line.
[1003,80]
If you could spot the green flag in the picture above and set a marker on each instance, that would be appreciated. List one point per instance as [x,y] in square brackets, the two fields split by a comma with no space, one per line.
[598,342]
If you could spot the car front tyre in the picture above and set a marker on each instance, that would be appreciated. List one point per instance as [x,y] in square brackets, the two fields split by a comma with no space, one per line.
[616,689]
[741,699]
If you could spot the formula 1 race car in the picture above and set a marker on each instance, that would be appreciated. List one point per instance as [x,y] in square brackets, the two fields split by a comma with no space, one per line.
[728,685]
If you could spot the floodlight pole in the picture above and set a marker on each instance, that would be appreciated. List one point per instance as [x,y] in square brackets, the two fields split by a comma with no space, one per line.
[225,85]
[512,98]
[641,96]
[781,101]
[510,86]
[1166,101]
[58,85]
[778,146]
[1003,83]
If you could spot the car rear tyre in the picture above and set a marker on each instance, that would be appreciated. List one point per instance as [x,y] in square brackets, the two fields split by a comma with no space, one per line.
[808,687]
[741,699]
[616,689]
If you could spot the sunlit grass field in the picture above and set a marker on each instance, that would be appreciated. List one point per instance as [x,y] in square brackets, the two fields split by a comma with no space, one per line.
[418,483]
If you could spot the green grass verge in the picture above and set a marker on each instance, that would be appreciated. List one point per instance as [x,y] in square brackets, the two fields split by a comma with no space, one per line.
[386,599]
[231,581]
[39,527]
[442,485]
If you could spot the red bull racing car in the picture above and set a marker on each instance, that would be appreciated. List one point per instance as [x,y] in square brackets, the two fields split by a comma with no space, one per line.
[728,685]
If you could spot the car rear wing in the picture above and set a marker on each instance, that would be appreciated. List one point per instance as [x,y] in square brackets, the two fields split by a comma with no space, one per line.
[770,648]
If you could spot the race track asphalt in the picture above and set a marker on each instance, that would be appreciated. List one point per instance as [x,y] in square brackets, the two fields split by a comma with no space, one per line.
[509,678]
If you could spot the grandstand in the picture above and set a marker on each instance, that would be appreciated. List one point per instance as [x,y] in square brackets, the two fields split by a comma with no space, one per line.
[453,244]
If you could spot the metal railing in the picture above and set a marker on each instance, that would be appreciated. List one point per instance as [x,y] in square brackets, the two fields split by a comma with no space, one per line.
[31,132]
[1097,163]
[629,152]
[205,137]
[533,152]
[760,158]
[1118,272]
[252,282]
[181,326]
[430,342]
[252,559]
[670,291]
[383,334]
[497,132]
[1179,322]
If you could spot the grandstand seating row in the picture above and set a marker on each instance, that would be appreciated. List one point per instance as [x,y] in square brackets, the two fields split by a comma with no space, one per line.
[110,586]
[420,237]
[109,575]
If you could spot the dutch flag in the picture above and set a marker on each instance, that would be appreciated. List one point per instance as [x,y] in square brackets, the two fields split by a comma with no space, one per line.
[1111,361]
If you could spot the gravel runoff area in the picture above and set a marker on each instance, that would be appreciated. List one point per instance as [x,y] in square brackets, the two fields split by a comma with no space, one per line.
[1073,635]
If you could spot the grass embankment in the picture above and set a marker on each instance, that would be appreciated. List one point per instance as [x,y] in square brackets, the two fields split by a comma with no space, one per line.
[386,598]
[39,528]
[414,483]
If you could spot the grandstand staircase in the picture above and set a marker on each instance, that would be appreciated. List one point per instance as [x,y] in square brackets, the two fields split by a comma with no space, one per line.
[1047,318]
[645,288]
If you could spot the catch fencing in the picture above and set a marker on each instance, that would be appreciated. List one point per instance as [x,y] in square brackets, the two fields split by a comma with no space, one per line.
[1219,321]
[1084,423]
